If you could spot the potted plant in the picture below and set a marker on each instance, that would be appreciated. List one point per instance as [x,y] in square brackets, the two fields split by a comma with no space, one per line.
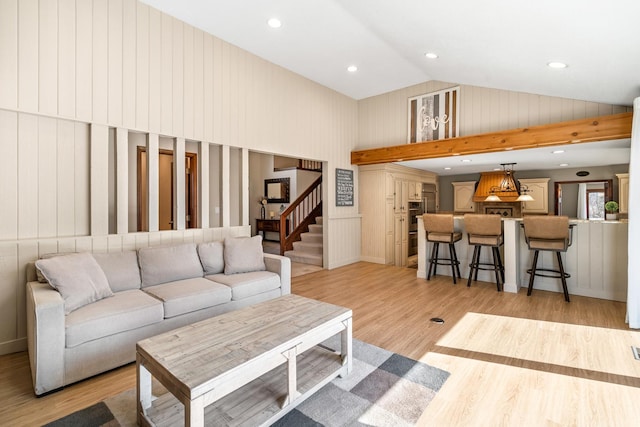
[612,210]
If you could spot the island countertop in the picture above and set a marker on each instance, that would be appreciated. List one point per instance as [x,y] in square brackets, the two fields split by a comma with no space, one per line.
[596,260]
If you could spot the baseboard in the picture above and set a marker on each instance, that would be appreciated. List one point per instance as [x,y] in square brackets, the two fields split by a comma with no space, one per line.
[13,346]
[375,260]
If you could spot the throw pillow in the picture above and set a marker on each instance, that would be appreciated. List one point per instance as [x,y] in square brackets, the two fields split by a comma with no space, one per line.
[243,254]
[77,277]
[39,274]
[212,257]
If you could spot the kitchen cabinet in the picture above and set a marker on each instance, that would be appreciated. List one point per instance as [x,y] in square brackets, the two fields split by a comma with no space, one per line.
[463,196]
[539,190]
[401,236]
[623,193]
[401,196]
[414,189]
[386,193]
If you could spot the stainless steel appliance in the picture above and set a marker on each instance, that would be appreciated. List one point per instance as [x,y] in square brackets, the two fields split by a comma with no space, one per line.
[416,209]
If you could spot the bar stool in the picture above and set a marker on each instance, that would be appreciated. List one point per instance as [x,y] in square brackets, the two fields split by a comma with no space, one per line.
[440,229]
[485,230]
[548,233]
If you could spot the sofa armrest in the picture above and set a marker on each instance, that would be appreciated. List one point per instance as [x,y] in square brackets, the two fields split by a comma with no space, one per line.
[45,336]
[282,266]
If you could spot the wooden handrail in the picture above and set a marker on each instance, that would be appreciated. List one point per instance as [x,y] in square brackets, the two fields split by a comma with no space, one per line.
[300,214]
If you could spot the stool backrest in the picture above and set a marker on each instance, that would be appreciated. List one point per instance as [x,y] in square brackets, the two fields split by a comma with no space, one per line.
[483,225]
[546,227]
[438,223]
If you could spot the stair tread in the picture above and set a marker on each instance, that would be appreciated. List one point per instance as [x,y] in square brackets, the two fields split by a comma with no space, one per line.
[311,244]
[304,257]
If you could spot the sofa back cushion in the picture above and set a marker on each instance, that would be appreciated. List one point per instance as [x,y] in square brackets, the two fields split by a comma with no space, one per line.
[169,263]
[212,257]
[77,277]
[121,269]
[243,254]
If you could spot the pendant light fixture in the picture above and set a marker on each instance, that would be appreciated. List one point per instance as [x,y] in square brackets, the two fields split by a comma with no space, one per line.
[508,185]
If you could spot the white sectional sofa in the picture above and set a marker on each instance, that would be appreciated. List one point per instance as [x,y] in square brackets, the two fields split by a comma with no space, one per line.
[85,312]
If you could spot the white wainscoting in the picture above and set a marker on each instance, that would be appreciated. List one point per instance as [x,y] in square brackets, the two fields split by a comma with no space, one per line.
[343,236]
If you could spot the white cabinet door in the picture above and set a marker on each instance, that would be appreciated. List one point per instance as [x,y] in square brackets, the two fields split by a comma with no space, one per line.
[623,193]
[415,191]
[463,196]
[400,196]
[539,190]
[401,239]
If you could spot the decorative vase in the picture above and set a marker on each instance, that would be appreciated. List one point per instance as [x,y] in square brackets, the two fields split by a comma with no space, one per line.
[262,212]
[611,216]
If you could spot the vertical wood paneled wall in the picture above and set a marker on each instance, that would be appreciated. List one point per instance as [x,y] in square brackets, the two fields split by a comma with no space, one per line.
[72,69]
[382,119]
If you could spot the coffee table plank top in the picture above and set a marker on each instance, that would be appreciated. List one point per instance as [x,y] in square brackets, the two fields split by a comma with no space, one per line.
[195,358]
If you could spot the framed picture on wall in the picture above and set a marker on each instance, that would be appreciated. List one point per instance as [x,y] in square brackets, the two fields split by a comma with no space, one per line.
[434,116]
[344,187]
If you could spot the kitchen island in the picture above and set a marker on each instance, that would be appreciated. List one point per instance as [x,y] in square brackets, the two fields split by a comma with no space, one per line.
[596,260]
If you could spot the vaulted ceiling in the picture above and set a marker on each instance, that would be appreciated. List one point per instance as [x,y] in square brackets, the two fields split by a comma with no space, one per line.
[502,44]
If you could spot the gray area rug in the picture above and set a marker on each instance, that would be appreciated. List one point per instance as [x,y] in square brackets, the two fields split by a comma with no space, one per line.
[384,389]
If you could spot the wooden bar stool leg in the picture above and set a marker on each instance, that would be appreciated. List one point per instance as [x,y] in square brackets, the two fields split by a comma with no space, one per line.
[496,266]
[532,272]
[563,277]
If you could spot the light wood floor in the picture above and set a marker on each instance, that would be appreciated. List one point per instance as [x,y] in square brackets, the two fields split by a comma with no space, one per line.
[391,309]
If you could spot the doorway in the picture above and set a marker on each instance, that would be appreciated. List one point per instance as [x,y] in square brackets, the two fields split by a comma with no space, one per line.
[566,197]
[166,196]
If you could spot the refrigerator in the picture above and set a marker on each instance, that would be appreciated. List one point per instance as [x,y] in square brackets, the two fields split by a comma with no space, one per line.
[416,209]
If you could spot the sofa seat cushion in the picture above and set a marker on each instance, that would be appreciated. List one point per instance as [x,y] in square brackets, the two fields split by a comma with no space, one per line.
[185,296]
[245,285]
[124,311]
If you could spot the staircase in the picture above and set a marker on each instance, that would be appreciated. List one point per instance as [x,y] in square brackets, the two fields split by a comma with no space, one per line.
[309,249]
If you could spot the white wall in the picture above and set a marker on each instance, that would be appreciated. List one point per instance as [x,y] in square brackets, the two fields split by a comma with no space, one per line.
[71,70]
[382,119]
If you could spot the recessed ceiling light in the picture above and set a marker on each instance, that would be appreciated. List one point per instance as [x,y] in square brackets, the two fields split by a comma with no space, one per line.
[447,169]
[557,65]
[466,160]
[352,68]
[557,152]
[274,23]
[563,164]
[431,55]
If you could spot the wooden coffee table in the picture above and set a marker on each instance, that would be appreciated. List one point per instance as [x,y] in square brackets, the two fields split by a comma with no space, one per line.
[247,367]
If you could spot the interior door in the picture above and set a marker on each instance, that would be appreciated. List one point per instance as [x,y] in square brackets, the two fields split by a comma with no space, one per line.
[166,196]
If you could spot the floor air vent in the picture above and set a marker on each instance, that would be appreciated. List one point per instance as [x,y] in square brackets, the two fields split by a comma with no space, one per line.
[636,352]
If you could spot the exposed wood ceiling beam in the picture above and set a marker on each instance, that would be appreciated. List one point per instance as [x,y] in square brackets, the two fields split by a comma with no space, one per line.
[615,126]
